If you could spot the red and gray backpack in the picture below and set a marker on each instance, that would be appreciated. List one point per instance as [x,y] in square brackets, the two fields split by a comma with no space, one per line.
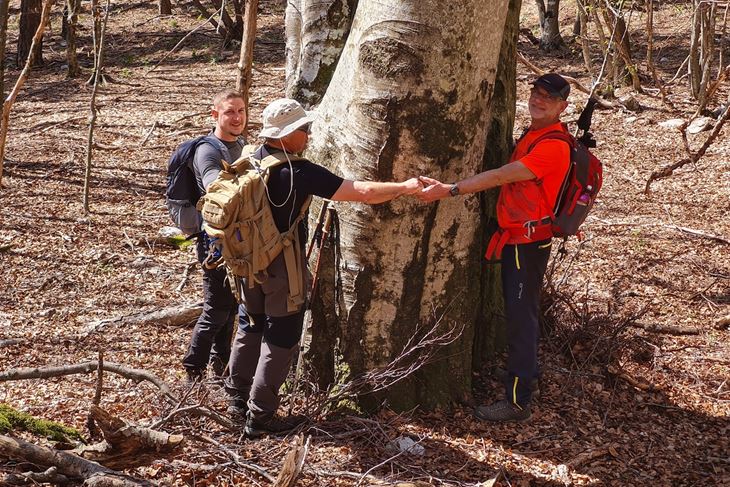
[579,189]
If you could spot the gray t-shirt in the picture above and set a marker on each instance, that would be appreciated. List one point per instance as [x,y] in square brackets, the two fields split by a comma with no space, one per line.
[207,161]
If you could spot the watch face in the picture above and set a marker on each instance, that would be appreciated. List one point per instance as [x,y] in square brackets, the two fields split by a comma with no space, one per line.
[454,190]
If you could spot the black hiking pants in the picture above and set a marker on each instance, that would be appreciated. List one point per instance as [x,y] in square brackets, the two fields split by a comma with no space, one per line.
[213,332]
[523,269]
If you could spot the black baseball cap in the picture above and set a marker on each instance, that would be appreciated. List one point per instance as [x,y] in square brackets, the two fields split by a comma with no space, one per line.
[554,84]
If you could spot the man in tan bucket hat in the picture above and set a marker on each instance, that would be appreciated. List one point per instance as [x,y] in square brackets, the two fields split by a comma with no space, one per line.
[268,336]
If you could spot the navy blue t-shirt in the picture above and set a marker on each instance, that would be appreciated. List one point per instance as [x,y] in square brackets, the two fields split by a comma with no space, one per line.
[287,197]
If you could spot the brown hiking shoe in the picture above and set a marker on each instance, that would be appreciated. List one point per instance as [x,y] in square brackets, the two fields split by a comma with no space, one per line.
[275,425]
[503,412]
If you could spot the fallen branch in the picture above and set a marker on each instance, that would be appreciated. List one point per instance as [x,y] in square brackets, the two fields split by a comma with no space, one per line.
[50,476]
[587,456]
[667,171]
[237,459]
[136,375]
[172,316]
[668,329]
[95,475]
[723,322]
[641,383]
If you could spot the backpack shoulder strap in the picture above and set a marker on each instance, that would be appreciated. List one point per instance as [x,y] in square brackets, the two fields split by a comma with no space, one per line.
[554,135]
[215,142]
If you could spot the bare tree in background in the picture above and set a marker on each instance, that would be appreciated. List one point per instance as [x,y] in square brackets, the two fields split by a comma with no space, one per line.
[164,7]
[245,62]
[550,38]
[30,18]
[4,4]
[702,49]
[72,16]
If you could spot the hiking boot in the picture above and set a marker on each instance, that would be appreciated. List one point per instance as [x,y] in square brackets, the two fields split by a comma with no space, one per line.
[218,366]
[275,425]
[237,413]
[503,412]
[195,375]
[503,376]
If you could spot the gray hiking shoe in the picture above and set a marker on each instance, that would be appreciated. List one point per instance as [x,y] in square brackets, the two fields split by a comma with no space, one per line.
[275,425]
[502,412]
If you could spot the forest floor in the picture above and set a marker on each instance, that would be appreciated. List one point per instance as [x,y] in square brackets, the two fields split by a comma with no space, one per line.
[623,401]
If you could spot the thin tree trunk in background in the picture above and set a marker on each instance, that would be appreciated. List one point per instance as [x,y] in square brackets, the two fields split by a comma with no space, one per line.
[72,7]
[702,50]
[550,38]
[403,101]
[4,4]
[30,17]
[582,19]
[245,62]
[723,42]
[92,108]
[8,103]
[311,55]
[95,34]
[164,7]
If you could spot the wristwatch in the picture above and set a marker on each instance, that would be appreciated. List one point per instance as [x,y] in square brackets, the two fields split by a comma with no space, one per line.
[454,190]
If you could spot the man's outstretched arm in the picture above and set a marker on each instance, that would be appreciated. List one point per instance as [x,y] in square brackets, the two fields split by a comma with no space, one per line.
[509,173]
[373,192]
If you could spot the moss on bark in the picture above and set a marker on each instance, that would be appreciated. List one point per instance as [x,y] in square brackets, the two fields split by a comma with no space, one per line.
[12,419]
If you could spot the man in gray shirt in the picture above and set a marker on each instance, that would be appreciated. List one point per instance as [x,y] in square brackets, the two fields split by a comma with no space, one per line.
[211,339]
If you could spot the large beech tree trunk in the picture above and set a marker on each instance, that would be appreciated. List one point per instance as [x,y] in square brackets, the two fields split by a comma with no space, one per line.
[411,95]
[316,32]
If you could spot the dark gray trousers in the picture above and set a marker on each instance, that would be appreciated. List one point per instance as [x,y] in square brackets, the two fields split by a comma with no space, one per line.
[211,338]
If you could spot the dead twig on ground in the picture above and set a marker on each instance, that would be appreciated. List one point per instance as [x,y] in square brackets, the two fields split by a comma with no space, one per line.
[668,170]
[179,315]
[237,459]
[667,329]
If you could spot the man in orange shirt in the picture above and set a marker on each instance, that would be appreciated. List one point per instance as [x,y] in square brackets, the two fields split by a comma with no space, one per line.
[530,184]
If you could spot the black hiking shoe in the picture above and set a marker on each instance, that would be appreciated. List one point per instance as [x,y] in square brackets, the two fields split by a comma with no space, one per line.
[503,412]
[503,376]
[255,428]
[238,411]
[195,375]
[218,366]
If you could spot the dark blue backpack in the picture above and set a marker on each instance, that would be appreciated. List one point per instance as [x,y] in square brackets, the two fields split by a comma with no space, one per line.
[182,192]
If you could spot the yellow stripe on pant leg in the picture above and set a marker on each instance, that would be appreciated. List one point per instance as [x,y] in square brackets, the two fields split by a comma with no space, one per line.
[514,393]
[517,258]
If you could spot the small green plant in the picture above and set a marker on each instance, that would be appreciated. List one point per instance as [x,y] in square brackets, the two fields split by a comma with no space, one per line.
[126,73]
[180,241]
[11,419]
[173,23]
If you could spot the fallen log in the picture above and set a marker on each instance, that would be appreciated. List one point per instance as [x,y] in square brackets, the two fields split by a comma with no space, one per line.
[172,316]
[667,329]
[723,322]
[126,445]
[68,464]
[50,476]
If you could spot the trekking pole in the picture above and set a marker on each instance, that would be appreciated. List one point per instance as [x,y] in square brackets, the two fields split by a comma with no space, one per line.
[317,235]
[325,233]
[325,229]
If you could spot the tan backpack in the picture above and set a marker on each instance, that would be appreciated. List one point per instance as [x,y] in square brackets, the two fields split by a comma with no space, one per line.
[236,210]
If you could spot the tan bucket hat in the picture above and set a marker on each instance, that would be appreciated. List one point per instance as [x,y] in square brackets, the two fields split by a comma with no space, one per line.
[282,117]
